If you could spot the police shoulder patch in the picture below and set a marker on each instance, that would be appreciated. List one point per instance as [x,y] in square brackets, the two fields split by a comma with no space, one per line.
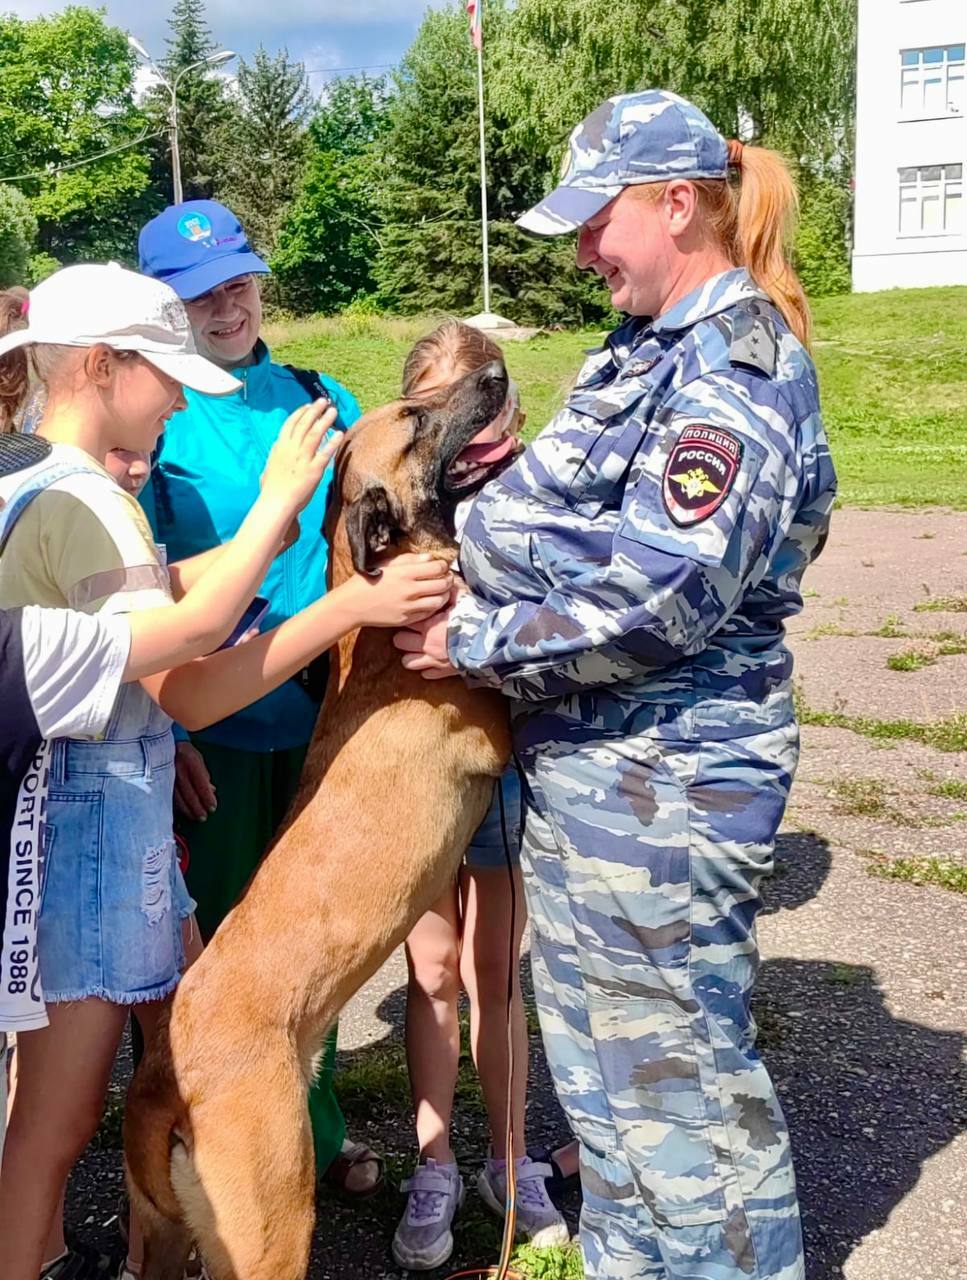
[699,473]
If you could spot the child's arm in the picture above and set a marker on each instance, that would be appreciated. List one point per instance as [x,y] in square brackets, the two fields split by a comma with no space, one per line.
[411,587]
[210,608]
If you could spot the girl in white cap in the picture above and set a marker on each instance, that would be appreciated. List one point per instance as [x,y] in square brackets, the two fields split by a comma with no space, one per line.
[114,350]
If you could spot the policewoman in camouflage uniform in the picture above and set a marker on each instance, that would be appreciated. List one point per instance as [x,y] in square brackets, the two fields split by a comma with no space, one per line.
[629,577]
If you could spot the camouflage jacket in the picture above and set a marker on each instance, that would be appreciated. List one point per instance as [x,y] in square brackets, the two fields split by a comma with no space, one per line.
[648,545]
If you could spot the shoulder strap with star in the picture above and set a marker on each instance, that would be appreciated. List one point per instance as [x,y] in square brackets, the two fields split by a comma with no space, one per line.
[755,341]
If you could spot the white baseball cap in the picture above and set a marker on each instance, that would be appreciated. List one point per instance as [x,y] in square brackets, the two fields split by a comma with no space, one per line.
[87,305]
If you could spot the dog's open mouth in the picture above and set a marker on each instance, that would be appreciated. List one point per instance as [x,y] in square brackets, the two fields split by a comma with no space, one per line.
[479,462]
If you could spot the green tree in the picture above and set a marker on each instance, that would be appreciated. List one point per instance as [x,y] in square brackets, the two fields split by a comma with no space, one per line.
[777,72]
[66,97]
[18,235]
[203,107]
[821,248]
[431,252]
[266,145]
[327,248]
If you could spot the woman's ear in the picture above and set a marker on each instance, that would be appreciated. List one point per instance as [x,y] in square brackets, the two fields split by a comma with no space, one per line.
[679,200]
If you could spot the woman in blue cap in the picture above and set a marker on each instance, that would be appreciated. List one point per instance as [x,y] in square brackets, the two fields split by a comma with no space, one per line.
[234,782]
[629,577]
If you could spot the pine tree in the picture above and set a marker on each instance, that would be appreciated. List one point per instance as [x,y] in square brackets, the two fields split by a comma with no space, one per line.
[268,145]
[430,257]
[203,105]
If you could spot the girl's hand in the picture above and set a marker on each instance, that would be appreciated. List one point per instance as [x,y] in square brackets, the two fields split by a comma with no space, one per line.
[411,587]
[424,645]
[299,458]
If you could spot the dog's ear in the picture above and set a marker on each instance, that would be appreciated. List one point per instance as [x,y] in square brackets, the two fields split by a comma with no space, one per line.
[373,522]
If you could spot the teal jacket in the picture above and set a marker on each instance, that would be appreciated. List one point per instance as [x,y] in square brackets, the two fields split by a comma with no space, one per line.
[205,480]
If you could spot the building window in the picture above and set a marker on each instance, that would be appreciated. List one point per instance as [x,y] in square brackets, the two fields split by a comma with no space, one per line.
[932,81]
[932,200]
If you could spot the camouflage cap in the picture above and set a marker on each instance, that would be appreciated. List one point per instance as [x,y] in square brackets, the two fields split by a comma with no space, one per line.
[652,136]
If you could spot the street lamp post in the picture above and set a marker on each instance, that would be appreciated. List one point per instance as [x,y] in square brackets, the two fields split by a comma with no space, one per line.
[213,60]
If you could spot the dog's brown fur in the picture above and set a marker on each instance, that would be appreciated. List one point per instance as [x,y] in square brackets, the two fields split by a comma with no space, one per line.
[399,774]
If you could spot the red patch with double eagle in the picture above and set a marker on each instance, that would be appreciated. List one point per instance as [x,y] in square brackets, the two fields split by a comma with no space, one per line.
[699,473]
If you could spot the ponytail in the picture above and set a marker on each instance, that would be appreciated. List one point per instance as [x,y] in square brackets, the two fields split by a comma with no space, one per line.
[751,216]
[14,366]
[768,208]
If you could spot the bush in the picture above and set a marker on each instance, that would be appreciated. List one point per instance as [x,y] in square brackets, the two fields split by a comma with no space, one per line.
[39,267]
[821,251]
[18,235]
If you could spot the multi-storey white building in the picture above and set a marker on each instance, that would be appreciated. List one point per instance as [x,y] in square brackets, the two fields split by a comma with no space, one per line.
[911,145]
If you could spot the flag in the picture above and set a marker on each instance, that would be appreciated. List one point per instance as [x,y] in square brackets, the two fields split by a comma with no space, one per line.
[475,9]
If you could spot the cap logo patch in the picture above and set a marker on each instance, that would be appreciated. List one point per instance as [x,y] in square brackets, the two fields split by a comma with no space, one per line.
[194,226]
[699,473]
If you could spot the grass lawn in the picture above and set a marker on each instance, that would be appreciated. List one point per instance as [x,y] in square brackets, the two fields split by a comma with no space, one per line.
[892,368]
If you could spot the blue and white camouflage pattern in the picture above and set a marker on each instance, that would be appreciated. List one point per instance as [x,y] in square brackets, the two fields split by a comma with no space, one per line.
[653,717]
[652,136]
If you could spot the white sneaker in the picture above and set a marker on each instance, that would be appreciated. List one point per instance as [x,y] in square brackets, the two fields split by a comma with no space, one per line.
[538,1219]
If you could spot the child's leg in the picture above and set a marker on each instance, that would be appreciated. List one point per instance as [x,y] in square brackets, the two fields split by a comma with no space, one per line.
[63,1074]
[485,949]
[432,1027]
[56,1245]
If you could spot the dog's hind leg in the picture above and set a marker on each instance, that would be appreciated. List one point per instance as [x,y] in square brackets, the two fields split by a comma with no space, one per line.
[248,1186]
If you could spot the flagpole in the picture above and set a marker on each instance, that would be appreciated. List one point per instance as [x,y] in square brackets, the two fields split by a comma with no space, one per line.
[483,179]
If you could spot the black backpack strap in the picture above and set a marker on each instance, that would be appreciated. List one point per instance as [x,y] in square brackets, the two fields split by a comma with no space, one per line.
[17,452]
[313,678]
[312,385]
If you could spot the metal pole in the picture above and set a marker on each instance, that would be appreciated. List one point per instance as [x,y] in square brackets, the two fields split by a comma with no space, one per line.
[483,182]
[175,153]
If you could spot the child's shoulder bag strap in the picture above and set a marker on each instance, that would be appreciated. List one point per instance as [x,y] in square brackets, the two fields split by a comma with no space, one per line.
[27,455]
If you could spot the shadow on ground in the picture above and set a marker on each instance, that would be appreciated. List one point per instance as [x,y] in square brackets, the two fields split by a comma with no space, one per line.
[868,1097]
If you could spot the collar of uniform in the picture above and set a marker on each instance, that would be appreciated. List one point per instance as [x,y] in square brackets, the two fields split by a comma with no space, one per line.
[715,295]
[253,376]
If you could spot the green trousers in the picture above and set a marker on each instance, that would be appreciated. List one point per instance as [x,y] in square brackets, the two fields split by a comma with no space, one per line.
[254,790]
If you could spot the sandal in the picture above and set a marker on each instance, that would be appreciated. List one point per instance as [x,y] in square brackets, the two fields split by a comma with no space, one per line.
[80,1262]
[558,1184]
[195,1270]
[350,1157]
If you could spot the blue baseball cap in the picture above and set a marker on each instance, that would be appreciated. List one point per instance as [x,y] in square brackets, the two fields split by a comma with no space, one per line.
[196,246]
[653,136]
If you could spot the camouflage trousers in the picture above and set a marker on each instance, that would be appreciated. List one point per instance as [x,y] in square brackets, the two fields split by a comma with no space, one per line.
[641,860]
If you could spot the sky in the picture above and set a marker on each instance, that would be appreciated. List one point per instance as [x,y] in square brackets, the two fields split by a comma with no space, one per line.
[324,34]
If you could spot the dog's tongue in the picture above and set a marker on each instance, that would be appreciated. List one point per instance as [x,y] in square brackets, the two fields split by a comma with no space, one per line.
[489,451]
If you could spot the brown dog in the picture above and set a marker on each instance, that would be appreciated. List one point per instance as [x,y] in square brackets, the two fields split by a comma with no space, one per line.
[398,776]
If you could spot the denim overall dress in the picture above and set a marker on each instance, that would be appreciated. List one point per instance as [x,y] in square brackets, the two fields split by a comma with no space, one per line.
[113,896]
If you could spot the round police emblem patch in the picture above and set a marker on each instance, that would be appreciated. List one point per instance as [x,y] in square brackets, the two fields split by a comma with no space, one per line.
[699,473]
[194,226]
